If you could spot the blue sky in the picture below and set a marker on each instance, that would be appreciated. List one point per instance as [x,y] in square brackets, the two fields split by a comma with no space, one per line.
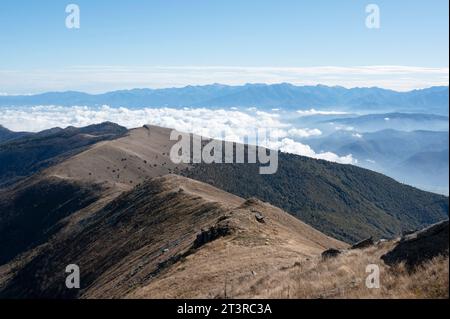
[119,39]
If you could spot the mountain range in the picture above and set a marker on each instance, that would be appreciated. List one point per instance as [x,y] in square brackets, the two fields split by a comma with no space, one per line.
[284,95]
[396,120]
[417,158]
[140,226]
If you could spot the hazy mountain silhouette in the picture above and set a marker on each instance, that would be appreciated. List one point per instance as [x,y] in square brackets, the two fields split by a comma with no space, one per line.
[418,158]
[431,100]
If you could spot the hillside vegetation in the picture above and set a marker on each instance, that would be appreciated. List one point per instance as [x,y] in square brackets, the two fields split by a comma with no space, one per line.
[120,210]
[28,154]
[128,246]
[343,201]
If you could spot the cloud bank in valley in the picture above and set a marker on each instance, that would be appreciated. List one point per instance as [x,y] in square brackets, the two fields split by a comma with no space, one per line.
[231,125]
[313,112]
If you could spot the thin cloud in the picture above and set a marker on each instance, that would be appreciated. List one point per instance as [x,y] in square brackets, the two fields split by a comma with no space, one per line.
[313,112]
[95,79]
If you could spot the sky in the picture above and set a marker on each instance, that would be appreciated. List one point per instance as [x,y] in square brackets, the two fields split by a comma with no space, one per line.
[165,43]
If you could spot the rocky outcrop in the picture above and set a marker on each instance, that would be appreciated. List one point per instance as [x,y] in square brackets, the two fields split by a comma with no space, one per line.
[363,243]
[418,247]
[260,218]
[224,227]
[330,253]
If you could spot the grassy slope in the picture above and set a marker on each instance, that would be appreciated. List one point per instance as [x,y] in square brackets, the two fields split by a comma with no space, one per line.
[345,277]
[343,201]
[25,156]
[132,241]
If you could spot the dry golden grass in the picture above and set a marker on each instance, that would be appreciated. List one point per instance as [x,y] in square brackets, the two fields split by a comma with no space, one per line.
[123,163]
[141,244]
[232,266]
[345,277]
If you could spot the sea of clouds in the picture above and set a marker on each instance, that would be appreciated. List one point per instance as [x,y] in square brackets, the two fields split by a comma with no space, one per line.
[231,125]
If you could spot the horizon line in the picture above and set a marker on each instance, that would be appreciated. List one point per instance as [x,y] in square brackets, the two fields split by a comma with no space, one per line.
[97,79]
[5,94]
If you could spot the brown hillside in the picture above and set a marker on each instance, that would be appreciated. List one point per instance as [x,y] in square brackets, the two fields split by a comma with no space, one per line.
[138,230]
[171,236]
[125,162]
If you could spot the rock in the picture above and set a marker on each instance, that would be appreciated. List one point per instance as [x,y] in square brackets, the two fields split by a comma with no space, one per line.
[421,246]
[260,218]
[221,229]
[408,232]
[381,241]
[363,243]
[330,253]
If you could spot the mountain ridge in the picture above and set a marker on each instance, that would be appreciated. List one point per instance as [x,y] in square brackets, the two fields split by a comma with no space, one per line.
[26,153]
[250,95]
[343,201]
[164,222]
[139,227]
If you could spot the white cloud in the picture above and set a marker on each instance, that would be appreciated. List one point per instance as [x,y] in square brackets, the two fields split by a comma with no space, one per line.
[312,112]
[290,146]
[357,135]
[298,132]
[230,125]
[344,128]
